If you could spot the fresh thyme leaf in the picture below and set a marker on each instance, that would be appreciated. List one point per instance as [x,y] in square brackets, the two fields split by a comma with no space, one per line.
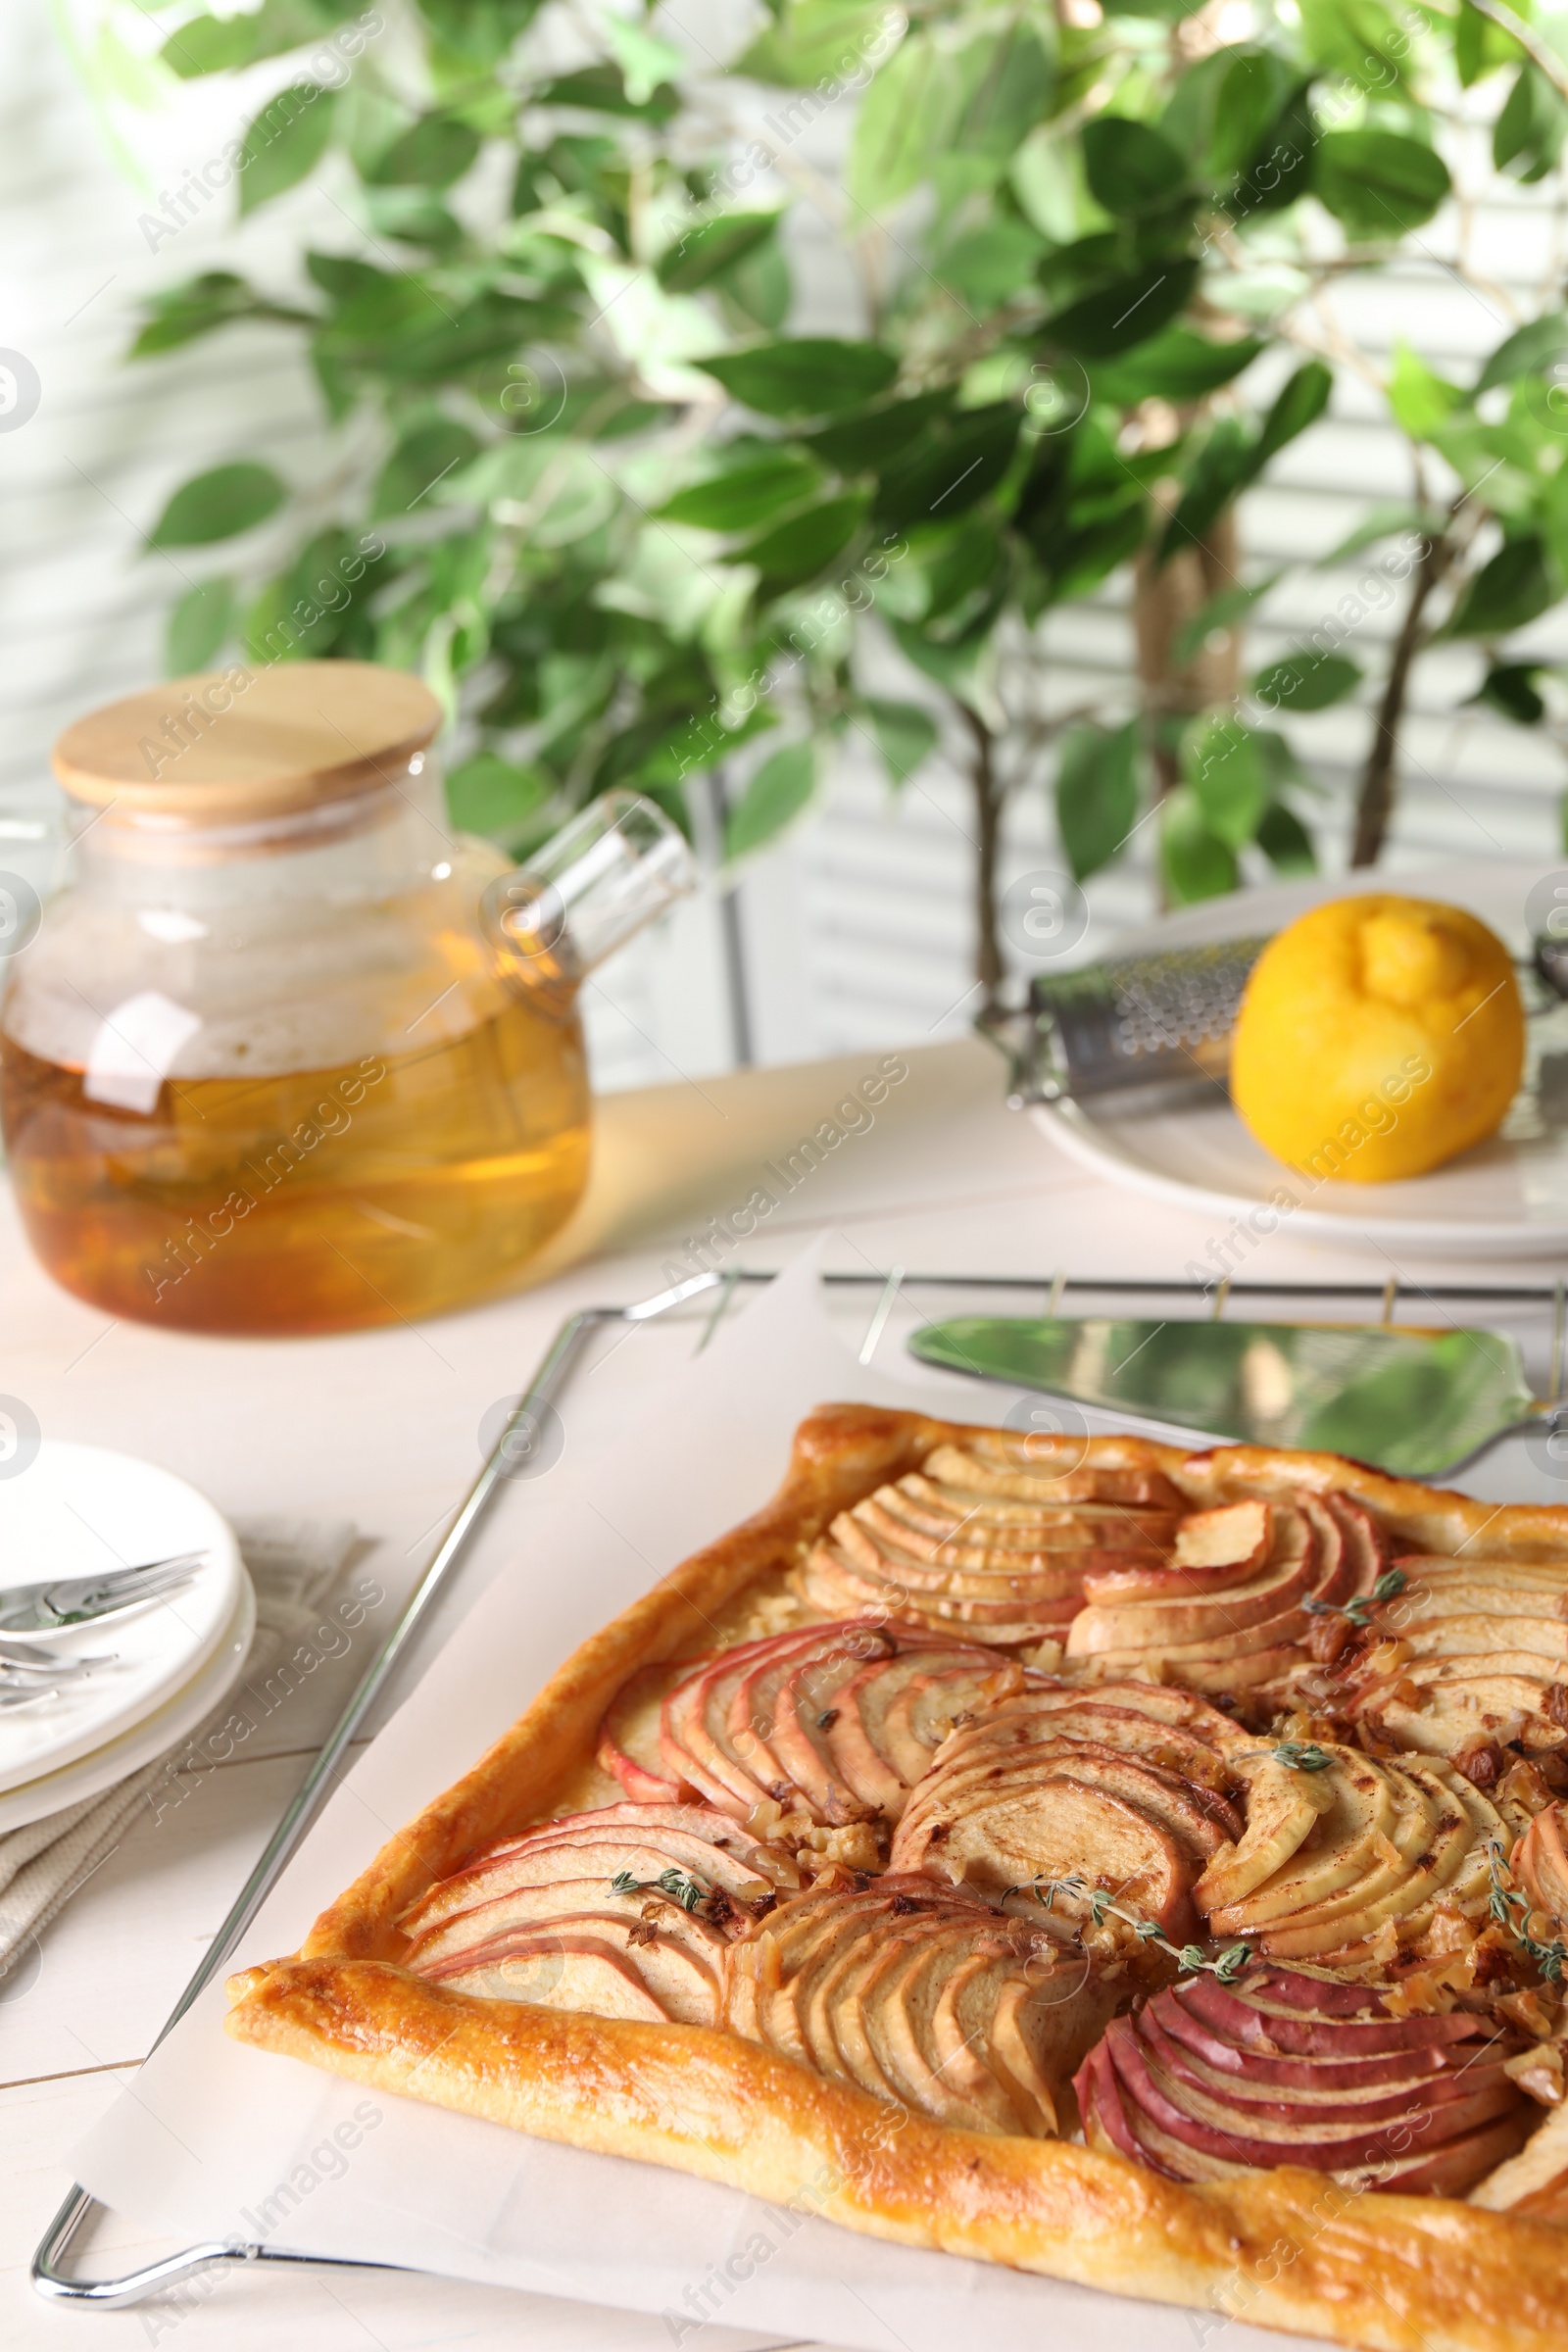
[1303,1755]
[623,1883]
[1505,1903]
[682,1887]
[1390,1584]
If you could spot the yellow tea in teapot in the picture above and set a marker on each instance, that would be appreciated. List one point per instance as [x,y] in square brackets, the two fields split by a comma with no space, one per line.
[393,1186]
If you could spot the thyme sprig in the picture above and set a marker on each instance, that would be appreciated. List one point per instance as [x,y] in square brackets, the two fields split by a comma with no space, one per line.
[1511,1909]
[1193,1960]
[679,1885]
[1302,1755]
[1357,1610]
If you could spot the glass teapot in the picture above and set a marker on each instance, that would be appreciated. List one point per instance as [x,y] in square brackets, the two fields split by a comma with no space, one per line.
[288,1056]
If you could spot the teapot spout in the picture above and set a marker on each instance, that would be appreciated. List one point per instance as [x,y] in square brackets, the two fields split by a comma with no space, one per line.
[592,886]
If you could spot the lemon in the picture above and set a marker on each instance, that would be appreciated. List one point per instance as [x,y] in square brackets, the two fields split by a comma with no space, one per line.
[1378,1037]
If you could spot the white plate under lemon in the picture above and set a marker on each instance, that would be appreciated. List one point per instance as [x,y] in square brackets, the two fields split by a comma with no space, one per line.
[1506,1197]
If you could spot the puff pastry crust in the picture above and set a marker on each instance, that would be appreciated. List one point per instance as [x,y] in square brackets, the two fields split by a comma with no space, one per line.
[1287,2248]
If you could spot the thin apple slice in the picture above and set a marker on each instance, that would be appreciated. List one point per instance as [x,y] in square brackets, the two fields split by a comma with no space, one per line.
[1065,1828]
[576,1971]
[755,1709]
[931,1706]
[810,1701]
[1027,1718]
[860,1982]
[1259,2015]
[1540,1863]
[559,1900]
[1030,1467]
[948,2082]
[1336,2102]
[1283,1808]
[1159,1703]
[856,1739]
[1333,1856]
[600,1856]
[1164,1798]
[1291,1571]
[628,1738]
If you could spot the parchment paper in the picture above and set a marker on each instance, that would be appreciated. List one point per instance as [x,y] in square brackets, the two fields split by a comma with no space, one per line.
[218,2141]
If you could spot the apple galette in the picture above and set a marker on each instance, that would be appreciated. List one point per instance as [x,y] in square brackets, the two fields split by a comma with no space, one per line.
[1143,1867]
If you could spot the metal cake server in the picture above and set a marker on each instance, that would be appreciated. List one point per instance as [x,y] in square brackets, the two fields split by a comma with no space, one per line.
[1417,1403]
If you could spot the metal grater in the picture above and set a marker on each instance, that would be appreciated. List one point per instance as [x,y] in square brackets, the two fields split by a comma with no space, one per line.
[1128,1021]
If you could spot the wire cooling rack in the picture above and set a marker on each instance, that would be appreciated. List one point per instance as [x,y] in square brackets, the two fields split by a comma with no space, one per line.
[1533,1315]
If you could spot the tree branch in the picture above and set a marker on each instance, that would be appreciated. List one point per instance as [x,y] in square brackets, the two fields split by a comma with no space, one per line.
[1529,40]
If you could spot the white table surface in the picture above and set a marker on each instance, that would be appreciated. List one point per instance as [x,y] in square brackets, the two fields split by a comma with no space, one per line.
[381,1426]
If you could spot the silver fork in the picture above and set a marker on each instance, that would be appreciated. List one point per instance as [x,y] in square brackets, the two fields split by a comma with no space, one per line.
[77,1600]
[20,1659]
[24,1699]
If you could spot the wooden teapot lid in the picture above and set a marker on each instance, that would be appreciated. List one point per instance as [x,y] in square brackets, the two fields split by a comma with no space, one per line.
[232,746]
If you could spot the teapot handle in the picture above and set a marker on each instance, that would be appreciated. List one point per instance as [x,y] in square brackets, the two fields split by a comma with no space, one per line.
[592,886]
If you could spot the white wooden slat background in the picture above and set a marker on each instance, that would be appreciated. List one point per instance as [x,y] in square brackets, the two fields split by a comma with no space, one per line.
[857,931]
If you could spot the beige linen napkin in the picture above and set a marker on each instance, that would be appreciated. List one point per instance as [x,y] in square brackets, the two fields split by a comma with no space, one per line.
[292,1562]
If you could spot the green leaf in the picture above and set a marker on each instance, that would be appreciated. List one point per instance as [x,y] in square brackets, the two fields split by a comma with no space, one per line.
[1221,612]
[1006,80]
[1357,39]
[744,496]
[1527,137]
[812,376]
[197,308]
[285,142]
[797,550]
[1301,403]
[1510,688]
[420,463]
[1385,521]
[1258,88]
[987,265]
[602,90]
[906,736]
[219,505]
[816,41]
[1305,681]
[646,61]
[776,793]
[1223,766]
[1096,794]
[1126,313]
[703,251]
[1128,165]
[200,624]
[760,286]
[432,153]
[1512,589]
[904,125]
[1286,842]
[1420,399]
[870,443]
[486,794]
[1529,351]
[1195,864]
[210,45]
[955,463]
[1176,365]
[1379,182]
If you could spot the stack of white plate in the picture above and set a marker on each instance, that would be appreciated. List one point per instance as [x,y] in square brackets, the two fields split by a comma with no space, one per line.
[77,1511]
